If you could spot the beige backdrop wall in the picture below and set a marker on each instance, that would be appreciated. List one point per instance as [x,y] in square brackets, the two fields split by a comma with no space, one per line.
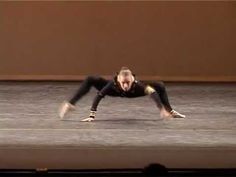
[175,41]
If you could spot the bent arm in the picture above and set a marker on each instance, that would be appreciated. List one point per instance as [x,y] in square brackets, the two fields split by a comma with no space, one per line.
[154,95]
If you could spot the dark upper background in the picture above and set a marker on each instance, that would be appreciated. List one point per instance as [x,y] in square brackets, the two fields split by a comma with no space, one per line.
[158,40]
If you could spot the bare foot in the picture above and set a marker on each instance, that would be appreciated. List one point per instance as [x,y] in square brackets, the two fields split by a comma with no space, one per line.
[65,107]
[164,113]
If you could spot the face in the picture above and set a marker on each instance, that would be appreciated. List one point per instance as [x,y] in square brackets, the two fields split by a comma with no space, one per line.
[125,79]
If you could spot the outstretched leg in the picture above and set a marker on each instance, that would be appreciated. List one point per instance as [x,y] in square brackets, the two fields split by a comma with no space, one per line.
[90,81]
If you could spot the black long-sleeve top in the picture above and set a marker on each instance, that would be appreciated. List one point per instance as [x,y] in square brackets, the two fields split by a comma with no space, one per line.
[137,89]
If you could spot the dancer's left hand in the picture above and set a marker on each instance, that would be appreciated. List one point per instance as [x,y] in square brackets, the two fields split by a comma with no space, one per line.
[90,119]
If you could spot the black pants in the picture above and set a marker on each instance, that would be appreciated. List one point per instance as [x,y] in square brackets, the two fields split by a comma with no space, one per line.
[99,83]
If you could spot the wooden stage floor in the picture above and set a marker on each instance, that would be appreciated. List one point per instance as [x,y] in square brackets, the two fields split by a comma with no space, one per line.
[127,133]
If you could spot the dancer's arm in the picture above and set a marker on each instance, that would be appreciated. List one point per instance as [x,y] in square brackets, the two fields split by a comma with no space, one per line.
[148,90]
[101,94]
[154,95]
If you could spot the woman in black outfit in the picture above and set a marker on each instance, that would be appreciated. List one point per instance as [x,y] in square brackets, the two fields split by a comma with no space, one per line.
[124,84]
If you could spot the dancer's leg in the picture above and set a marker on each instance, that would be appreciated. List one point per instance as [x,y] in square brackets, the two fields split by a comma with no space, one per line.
[90,81]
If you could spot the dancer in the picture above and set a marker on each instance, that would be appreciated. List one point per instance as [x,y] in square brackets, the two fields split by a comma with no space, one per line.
[124,84]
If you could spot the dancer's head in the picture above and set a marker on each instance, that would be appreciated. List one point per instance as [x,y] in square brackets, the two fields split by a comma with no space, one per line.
[125,78]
